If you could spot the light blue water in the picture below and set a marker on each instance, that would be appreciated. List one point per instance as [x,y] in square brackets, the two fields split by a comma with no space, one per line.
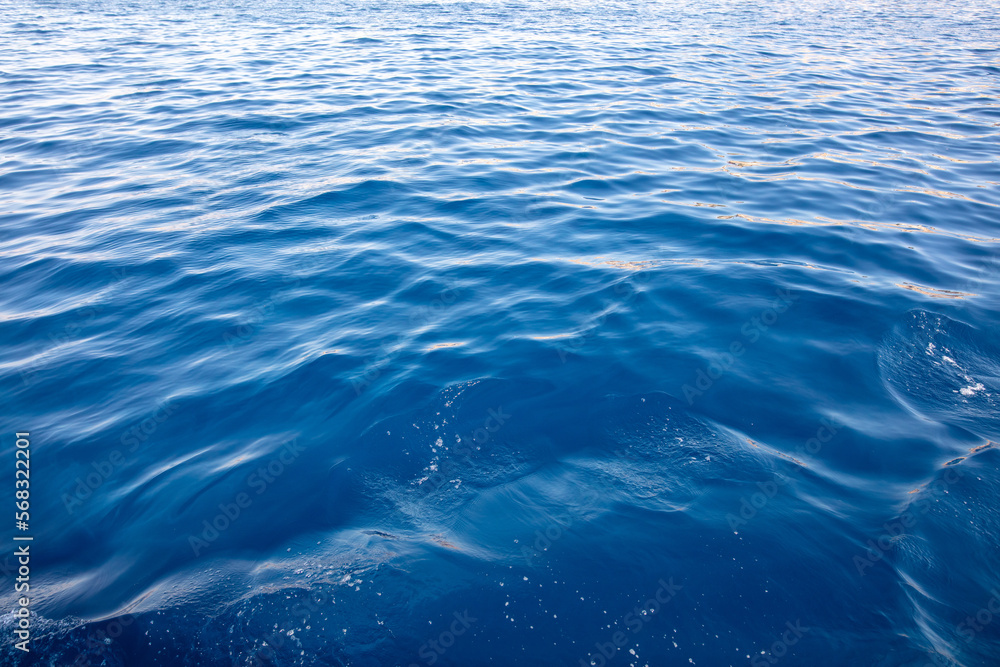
[455,333]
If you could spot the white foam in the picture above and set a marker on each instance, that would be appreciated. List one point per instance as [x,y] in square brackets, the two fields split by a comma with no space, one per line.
[972,389]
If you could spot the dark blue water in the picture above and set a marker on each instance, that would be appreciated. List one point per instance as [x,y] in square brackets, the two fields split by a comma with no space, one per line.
[527,333]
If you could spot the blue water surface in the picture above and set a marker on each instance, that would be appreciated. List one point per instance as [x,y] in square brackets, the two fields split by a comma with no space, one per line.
[538,332]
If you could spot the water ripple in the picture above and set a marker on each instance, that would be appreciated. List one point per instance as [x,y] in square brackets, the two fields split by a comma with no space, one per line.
[333,322]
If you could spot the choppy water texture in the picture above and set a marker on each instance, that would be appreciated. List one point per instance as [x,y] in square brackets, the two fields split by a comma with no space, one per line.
[459,333]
